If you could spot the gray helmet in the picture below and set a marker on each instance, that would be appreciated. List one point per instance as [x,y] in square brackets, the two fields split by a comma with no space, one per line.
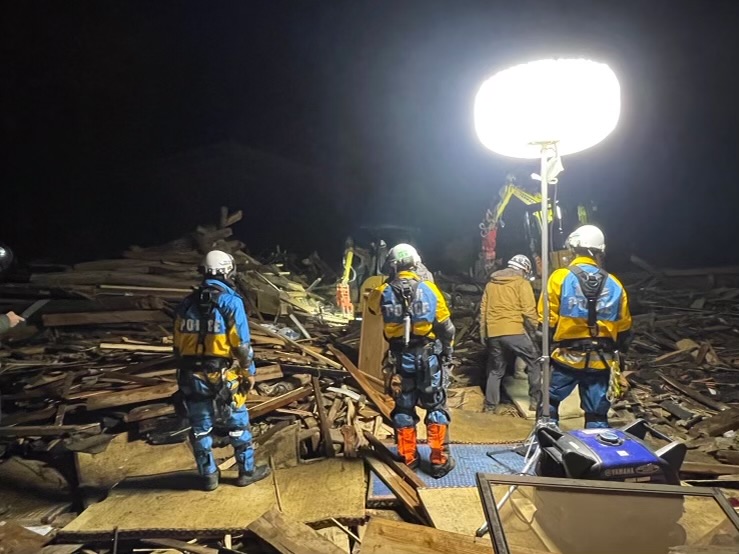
[519,261]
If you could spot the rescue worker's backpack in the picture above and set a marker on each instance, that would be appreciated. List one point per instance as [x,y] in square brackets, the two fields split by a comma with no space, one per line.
[205,299]
[592,286]
[405,290]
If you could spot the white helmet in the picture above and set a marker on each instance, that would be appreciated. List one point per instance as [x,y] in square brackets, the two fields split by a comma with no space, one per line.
[403,255]
[521,262]
[587,237]
[217,262]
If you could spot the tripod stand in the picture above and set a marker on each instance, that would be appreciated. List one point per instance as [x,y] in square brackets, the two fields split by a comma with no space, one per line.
[551,165]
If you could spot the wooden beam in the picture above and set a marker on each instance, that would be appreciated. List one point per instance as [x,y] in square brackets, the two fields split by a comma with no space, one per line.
[102,318]
[135,347]
[302,348]
[719,424]
[383,403]
[709,469]
[49,430]
[17,418]
[405,493]
[397,466]
[728,456]
[131,396]
[272,404]
[694,394]
[289,536]
[149,412]
[328,445]
[269,372]
[384,536]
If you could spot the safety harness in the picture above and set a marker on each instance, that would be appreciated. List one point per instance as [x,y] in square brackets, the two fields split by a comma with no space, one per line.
[206,300]
[405,289]
[207,304]
[592,285]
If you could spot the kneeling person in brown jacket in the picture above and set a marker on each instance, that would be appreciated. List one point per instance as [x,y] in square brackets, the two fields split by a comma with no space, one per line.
[507,309]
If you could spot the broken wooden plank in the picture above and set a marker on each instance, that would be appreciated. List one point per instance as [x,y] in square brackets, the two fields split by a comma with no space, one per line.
[135,347]
[289,536]
[717,425]
[103,318]
[694,394]
[18,418]
[269,372]
[16,539]
[272,404]
[672,356]
[384,536]
[383,403]
[149,412]
[131,396]
[728,456]
[404,492]
[302,348]
[676,410]
[49,430]
[709,469]
[328,447]
[391,460]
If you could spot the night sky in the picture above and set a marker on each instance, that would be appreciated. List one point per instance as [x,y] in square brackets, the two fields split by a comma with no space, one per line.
[375,98]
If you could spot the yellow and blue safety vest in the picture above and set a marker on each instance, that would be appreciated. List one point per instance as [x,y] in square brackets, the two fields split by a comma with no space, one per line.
[568,315]
[226,326]
[427,308]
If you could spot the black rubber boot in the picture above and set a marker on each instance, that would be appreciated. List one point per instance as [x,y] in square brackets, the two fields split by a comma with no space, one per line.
[414,464]
[249,477]
[210,481]
[438,471]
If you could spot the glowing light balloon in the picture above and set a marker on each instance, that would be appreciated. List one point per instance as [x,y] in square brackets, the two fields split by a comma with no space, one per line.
[573,102]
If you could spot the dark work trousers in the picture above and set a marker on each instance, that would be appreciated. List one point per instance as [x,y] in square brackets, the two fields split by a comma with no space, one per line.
[521,346]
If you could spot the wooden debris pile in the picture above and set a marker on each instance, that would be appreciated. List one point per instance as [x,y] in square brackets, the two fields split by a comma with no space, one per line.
[97,358]
[92,372]
[683,365]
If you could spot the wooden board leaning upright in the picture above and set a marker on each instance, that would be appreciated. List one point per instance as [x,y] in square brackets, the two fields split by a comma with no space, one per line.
[372,343]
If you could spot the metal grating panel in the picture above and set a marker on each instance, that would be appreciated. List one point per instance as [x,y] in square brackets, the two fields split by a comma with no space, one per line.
[470,458]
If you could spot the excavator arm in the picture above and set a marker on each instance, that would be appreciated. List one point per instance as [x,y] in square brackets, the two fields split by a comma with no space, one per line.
[493,221]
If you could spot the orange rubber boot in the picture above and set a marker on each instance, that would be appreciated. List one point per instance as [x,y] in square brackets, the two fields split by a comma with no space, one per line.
[405,437]
[441,461]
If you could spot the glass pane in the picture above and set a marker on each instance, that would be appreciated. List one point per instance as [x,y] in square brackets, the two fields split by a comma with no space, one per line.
[543,520]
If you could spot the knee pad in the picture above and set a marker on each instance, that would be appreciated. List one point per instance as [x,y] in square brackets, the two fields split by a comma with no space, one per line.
[437,416]
[403,419]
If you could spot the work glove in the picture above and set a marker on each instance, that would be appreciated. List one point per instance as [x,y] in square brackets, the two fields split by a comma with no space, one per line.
[483,340]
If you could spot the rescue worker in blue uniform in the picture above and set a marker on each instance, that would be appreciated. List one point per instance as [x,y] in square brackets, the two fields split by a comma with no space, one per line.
[590,326]
[216,368]
[420,335]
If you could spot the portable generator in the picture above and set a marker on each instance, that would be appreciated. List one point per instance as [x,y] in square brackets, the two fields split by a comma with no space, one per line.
[609,454]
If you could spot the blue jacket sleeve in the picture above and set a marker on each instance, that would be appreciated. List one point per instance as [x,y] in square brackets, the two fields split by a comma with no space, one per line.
[238,333]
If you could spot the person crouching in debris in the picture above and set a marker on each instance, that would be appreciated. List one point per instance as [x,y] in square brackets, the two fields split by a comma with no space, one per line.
[590,325]
[420,335]
[507,319]
[211,332]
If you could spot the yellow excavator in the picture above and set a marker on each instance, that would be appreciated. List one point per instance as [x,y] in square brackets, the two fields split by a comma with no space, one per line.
[559,256]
